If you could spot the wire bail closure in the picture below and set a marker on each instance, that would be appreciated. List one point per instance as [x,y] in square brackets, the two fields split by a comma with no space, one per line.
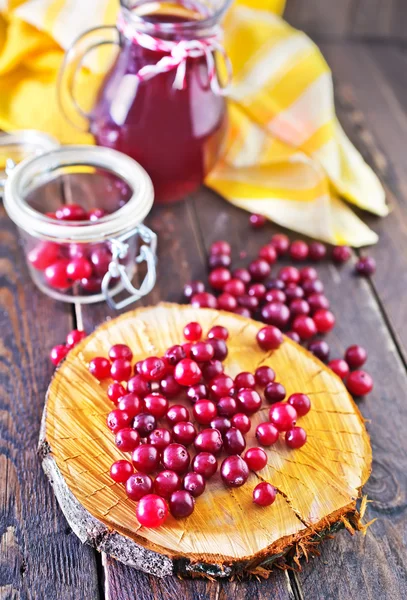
[119,252]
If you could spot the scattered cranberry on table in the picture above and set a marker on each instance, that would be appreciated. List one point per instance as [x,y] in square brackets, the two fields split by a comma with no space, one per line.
[365,266]
[264,494]
[257,221]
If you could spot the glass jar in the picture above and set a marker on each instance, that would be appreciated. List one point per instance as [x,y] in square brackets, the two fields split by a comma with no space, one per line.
[162,102]
[80,212]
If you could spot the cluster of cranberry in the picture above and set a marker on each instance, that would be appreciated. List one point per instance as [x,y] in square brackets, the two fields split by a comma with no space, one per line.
[359,383]
[221,409]
[64,265]
[61,350]
[293,301]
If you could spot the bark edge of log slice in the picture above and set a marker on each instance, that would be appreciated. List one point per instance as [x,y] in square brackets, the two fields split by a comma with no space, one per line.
[319,484]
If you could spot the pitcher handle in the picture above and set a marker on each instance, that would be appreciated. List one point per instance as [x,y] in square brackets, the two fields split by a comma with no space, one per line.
[72,64]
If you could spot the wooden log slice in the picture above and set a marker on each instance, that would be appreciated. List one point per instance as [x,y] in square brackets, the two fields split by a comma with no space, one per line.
[318,484]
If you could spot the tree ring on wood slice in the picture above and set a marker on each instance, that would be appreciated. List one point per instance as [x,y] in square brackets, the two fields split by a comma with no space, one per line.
[318,484]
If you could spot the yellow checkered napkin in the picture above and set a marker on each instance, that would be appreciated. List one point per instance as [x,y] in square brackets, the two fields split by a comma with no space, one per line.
[286,155]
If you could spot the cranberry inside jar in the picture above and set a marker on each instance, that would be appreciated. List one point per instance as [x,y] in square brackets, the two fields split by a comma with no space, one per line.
[81,222]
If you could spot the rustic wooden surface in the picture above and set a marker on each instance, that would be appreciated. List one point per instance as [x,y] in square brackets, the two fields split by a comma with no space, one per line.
[39,557]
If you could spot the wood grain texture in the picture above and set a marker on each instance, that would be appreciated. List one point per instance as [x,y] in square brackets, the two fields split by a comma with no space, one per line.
[39,556]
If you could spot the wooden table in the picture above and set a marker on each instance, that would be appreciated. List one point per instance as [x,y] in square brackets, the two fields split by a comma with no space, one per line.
[40,557]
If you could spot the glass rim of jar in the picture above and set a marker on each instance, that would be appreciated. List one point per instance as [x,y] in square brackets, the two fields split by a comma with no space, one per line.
[120,221]
[201,26]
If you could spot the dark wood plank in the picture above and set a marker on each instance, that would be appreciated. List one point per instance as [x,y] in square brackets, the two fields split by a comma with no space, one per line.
[39,555]
[374,19]
[377,564]
[329,20]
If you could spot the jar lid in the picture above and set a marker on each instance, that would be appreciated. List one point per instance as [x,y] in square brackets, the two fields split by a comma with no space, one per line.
[70,157]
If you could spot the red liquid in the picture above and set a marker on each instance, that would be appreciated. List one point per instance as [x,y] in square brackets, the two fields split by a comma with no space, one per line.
[174,134]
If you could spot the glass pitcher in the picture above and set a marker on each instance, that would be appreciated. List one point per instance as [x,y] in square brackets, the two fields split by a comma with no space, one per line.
[162,101]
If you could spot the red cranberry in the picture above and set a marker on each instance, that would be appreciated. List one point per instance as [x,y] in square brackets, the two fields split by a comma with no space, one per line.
[99,367]
[308,273]
[281,243]
[317,302]
[216,261]
[203,351]
[96,213]
[184,433]
[120,369]
[355,356]
[359,383]
[218,277]
[293,336]
[58,353]
[156,405]
[187,372]
[153,368]
[74,337]
[295,437]
[121,470]
[283,416]
[204,300]
[197,392]
[235,287]
[317,251]
[138,385]
[195,484]
[211,369]
[222,424]
[169,387]
[250,302]
[43,255]
[222,385]
[192,288]
[274,392]
[275,284]
[209,440]
[320,349]
[257,221]
[160,438]
[227,302]
[365,266]
[227,406]
[248,401]
[118,419]
[120,351]
[245,380]
[218,332]
[256,459]
[182,504]
[174,354]
[79,268]
[276,314]
[234,471]
[243,312]
[138,485]
[177,413]
[268,253]
[259,269]
[301,403]
[204,411]
[257,290]
[340,367]
[233,441]
[293,292]
[187,349]
[305,327]
[341,254]
[264,494]
[91,285]
[220,247]
[71,212]
[192,332]
[176,458]
[205,464]
[127,439]
[324,320]
[299,307]
[144,424]
[269,338]
[166,483]
[243,275]
[264,375]
[275,295]
[266,433]
[151,511]
[100,259]
[130,403]
[220,349]
[56,275]
[299,250]
[289,274]
[146,458]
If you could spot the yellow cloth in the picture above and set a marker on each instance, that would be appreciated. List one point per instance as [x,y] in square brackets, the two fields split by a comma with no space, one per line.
[286,154]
